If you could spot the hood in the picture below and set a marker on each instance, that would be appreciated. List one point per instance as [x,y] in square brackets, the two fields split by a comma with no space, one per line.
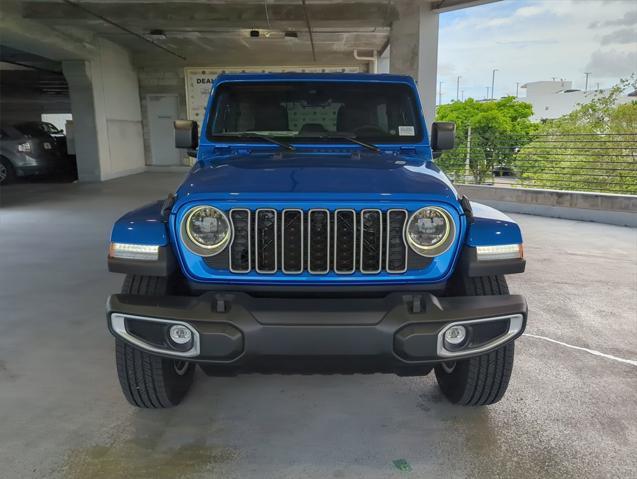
[344,172]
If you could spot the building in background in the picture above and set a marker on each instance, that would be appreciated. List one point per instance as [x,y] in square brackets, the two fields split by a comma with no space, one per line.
[553,99]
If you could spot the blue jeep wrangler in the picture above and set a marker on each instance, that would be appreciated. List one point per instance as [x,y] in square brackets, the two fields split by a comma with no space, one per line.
[315,233]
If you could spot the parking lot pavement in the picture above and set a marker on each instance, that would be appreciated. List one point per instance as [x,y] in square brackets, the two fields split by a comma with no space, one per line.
[568,412]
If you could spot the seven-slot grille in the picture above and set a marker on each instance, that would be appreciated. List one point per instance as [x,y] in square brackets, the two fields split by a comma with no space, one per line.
[318,241]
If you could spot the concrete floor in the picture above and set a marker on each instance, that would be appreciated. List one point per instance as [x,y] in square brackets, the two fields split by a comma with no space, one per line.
[568,413]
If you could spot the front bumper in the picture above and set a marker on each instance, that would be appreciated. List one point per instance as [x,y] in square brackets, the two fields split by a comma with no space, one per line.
[393,332]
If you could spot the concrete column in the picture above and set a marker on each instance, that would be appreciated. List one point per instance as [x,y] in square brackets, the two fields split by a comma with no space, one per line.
[106,114]
[78,76]
[414,50]
[383,61]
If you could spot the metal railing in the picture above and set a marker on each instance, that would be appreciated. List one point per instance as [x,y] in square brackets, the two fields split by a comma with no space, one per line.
[596,162]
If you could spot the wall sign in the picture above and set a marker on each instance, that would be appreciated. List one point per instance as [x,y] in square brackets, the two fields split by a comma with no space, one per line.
[199,81]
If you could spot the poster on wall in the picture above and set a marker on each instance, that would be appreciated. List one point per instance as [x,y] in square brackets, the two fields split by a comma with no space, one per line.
[199,82]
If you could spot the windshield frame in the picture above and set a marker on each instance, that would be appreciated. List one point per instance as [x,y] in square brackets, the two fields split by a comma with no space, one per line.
[420,137]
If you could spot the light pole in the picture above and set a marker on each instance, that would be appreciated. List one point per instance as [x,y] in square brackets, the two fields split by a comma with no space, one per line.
[440,93]
[458,88]
[587,75]
[517,89]
[487,97]
[493,81]
[462,95]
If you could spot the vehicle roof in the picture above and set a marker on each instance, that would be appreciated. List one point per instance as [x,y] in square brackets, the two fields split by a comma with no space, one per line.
[301,76]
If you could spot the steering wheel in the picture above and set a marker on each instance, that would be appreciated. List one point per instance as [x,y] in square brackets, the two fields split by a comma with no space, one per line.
[368,130]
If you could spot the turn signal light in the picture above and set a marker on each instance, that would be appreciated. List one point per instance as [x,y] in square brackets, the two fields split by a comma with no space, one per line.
[134,251]
[503,251]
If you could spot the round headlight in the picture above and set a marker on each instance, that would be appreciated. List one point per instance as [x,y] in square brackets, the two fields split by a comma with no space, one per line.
[430,231]
[207,230]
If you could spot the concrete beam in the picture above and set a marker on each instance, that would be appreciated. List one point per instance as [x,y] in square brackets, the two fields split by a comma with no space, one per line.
[37,38]
[194,16]
[441,6]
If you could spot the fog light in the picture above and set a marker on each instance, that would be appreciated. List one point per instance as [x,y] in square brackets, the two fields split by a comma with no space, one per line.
[455,335]
[180,334]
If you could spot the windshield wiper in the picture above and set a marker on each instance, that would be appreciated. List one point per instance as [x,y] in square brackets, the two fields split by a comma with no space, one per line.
[256,136]
[369,146]
[353,139]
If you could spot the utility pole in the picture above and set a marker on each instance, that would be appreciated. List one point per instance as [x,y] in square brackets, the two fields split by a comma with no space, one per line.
[458,88]
[493,82]
[587,75]
[440,93]
[517,89]
[467,164]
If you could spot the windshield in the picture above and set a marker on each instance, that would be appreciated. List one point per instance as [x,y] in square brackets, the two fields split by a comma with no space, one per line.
[310,112]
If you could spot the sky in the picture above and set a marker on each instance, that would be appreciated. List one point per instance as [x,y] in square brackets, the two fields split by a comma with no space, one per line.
[531,40]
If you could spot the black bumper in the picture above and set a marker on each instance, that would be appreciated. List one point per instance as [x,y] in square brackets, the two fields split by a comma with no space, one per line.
[393,332]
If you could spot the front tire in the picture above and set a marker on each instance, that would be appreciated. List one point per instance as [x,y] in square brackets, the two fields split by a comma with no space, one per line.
[484,379]
[147,380]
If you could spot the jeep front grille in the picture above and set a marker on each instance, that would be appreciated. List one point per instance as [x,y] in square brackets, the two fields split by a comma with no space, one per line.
[318,241]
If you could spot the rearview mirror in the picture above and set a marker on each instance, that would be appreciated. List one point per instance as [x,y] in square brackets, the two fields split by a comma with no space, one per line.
[186,134]
[443,136]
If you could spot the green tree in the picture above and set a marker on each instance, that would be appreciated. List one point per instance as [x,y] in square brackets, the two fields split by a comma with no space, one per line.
[594,148]
[498,129]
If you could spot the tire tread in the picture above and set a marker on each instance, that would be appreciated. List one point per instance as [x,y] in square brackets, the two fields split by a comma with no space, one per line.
[483,379]
[148,381]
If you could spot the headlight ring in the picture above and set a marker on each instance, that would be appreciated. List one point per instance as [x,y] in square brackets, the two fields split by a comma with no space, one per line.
[206,230]
[430,231]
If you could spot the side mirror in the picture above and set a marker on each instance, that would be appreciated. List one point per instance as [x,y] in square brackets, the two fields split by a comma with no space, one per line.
[443,136]
[186,134]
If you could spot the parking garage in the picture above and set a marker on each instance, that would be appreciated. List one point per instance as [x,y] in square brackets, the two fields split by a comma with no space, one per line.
[134,67]
[118,74]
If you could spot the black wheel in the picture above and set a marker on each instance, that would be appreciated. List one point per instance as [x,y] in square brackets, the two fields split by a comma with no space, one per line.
[484,379]
[150,381]
[7,172]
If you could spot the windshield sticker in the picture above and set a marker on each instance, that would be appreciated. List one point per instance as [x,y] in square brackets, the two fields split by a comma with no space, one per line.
[406,131]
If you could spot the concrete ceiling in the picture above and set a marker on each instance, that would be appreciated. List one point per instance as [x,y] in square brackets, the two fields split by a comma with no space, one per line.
[216,32]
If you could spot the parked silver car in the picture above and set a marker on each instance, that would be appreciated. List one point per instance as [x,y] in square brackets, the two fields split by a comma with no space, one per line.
[27,155]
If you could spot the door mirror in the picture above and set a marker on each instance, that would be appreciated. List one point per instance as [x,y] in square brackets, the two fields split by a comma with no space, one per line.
[186,134]
[443,136]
